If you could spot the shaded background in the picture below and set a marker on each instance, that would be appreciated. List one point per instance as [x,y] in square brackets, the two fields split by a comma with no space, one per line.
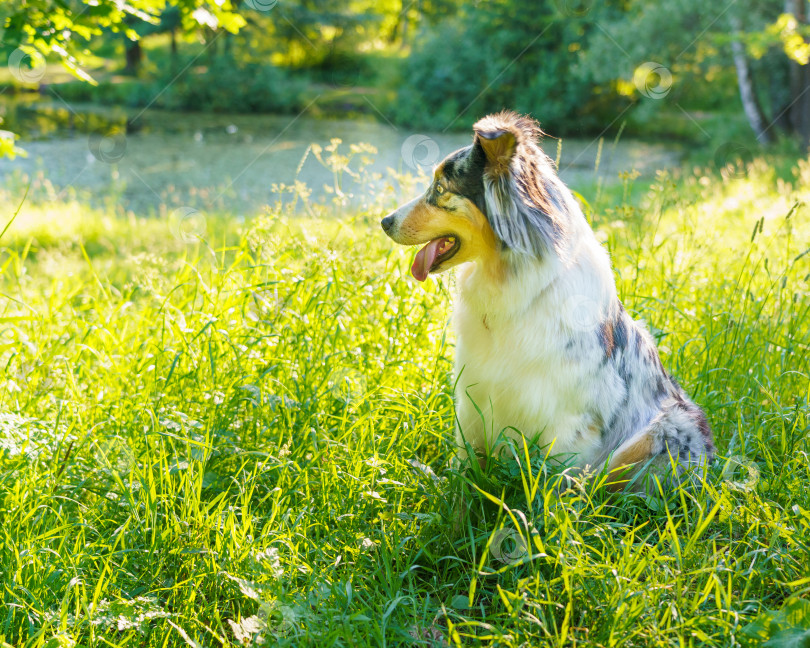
[148,106]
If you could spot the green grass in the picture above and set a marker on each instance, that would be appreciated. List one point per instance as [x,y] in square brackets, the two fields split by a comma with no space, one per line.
[206,438]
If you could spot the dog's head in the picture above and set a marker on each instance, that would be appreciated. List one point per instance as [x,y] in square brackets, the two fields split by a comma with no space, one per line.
[498,196]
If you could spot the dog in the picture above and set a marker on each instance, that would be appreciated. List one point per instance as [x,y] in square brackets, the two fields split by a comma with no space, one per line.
[544,346]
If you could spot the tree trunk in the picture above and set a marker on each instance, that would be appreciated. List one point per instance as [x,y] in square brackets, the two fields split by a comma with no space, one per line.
[799,108]
[133,55]
[748,96]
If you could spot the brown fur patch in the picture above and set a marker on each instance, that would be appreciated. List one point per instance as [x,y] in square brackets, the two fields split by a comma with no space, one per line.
[458,217]
[507,136]
[623,465]
[499,145]
[606,332]
[595,428]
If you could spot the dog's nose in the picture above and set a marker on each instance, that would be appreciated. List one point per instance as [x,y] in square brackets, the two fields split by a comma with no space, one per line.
[387,223]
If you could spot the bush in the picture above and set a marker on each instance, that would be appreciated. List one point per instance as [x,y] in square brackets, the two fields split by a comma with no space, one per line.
[484,61]
[224,86]
[227,86]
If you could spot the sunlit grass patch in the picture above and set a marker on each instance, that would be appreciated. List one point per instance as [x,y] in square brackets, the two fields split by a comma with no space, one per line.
[211,439]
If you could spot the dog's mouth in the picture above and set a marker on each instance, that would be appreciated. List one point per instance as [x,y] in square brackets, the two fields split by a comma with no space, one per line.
[433,255]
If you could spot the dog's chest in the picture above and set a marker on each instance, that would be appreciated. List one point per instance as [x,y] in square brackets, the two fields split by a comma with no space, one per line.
[518,374]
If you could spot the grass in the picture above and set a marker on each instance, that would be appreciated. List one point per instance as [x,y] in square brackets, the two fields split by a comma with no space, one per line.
[208,432]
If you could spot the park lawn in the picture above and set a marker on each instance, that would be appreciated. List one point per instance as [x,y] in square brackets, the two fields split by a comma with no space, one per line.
[208,433]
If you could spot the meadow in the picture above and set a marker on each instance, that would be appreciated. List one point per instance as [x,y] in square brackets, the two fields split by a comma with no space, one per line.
[220,431]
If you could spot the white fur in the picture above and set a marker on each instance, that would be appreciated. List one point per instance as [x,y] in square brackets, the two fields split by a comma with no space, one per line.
[511,359]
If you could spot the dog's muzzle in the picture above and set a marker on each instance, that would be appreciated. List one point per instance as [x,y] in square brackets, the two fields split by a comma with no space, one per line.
[390,223]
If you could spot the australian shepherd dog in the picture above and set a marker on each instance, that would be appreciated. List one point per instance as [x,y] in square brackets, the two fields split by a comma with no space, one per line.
[544,347]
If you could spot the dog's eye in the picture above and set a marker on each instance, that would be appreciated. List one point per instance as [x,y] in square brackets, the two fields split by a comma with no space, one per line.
[439,189]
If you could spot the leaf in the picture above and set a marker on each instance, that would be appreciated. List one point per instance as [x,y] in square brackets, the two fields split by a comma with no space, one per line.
[791,638]
[246,628]
[231,22]
[460,602]
[785,628]
[248,588]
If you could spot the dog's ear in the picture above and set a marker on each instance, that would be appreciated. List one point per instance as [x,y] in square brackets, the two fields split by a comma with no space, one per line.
[498,146]
[525,215]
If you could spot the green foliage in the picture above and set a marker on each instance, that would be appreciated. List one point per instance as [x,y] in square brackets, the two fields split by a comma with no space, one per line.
[8,144]
[485,60]
[63,29]
[692,40]
[577,65]
[785,628]
[436,86]
[227,86]
[207,431]
[331,29]
[224,86]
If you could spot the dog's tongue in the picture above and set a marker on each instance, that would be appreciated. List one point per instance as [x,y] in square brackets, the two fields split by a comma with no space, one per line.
[425,258]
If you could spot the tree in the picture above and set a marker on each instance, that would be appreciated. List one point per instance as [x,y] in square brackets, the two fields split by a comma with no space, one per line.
[692,38]
[799,52]
[62,29]
[748,96]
